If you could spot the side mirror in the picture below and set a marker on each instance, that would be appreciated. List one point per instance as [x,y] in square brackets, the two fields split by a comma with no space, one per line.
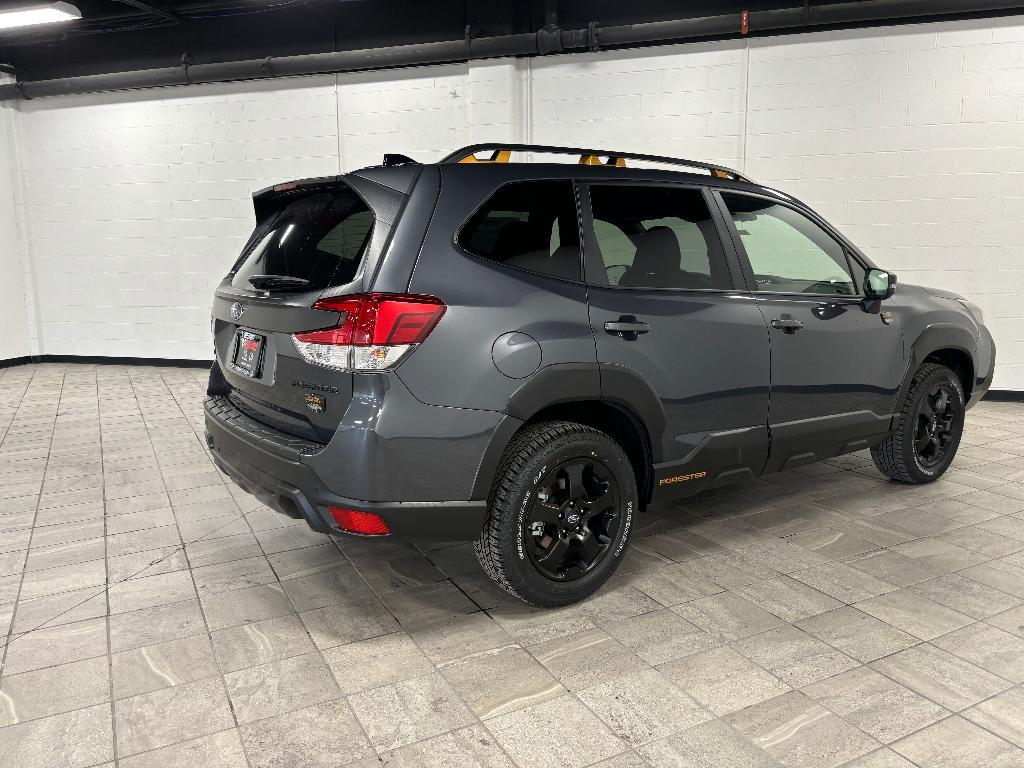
[879,284]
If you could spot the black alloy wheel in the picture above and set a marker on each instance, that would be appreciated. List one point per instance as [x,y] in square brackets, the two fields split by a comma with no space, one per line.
[934,425]
[573,520]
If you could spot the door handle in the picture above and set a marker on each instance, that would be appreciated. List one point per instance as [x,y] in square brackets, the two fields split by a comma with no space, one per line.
[627,327]
[787,324]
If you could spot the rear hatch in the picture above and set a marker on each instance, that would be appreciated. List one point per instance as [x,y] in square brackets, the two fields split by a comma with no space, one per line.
[312,239]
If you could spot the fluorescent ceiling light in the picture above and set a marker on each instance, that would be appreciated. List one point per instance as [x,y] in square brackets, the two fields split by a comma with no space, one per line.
[28,15]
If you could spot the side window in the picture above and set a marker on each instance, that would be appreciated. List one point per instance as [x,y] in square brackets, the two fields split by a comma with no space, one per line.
[788,252]
[656,237]
[530,225]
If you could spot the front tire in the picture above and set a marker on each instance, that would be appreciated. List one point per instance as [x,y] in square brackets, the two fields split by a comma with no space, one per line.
[560,513]
[927,430]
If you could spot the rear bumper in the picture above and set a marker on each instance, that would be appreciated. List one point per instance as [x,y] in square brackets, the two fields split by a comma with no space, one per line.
[276,473]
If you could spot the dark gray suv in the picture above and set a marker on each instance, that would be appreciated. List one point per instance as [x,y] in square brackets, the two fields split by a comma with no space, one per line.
[527,355]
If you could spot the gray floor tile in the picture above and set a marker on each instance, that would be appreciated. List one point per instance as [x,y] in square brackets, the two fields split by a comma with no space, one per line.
[1000,575]
[470,746]
[460,636]
[945,679]
[787,598]
[794,656]
[501,680]
[966,595]
[661,636]
[722,680]
[990,648]
[52,690]
[171,715]
[261,642]
[891,566]
[840,581]
[150,626]
[914,614]
[357,617]
[411,710]
[1003,715]
[586,658]
[219,750]
[857,634]
[708,745]
[279,686]
[727,616]
[321,736]
[956,742]
[72,740]
[242,606]
[52,646]
[375,662]
[152,667]
[801,733]
[878,706]
[581,740]
[643,707]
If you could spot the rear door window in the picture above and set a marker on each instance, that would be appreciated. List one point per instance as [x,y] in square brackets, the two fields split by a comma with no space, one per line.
[655,236]
[530,225]
[318,239]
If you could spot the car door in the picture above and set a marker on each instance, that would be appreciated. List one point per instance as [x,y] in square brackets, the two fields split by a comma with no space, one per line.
[836,361]
[674,334]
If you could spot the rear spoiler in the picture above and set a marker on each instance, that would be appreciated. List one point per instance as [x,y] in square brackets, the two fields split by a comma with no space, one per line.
[265,200]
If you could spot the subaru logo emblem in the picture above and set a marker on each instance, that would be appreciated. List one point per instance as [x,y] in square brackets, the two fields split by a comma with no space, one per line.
[572,519]
[236,311]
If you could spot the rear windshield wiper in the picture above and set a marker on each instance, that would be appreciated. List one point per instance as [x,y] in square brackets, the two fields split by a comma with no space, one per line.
[271,282]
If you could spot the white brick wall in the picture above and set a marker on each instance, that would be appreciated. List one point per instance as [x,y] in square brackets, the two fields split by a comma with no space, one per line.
[911,139]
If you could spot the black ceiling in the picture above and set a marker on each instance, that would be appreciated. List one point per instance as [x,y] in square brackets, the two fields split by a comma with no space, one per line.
[121,35]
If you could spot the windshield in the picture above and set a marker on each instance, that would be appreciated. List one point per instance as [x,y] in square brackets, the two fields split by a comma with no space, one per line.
[317,240]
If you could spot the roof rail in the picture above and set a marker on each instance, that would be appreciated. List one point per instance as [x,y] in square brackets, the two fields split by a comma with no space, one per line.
[587,157]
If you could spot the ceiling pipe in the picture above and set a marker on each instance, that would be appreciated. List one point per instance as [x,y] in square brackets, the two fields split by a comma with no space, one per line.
[548,40]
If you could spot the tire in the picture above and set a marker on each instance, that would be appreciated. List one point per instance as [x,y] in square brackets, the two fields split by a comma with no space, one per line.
[898,456]
[527,497]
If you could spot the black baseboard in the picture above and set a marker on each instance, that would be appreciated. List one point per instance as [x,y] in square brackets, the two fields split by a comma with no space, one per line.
[15,361]
[164,362]
[1004,396]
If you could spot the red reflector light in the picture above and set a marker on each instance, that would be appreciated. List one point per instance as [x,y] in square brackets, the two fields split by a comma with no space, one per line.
[355,521]
[378,319]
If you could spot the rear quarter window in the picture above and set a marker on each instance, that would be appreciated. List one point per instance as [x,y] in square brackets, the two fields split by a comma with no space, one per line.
[529,225]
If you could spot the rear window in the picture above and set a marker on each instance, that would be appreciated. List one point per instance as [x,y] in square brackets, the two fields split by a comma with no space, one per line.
[319,238]
[530,225]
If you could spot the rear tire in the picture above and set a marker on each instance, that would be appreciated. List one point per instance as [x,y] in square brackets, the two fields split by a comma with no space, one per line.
[927,428]
[559,514]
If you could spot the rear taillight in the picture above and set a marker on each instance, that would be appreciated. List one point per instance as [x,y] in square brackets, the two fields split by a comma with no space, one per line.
[353,521]
[375,330]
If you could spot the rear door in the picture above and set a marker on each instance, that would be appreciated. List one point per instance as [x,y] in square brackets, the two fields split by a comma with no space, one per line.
[666,312]
[307,243]
[836,367]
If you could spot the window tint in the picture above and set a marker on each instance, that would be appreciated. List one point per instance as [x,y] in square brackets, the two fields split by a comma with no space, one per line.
[319,238]
[528,224]
[656,237]
[788,252]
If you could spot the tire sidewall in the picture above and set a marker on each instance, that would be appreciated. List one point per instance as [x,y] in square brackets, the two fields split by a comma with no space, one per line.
[526,579]
[913,464]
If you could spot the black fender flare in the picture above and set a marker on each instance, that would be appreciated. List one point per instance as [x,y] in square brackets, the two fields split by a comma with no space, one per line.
[558,383]
[935,337]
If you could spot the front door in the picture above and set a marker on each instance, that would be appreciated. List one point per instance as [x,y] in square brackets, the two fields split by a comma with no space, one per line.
[836,363]
[672,328]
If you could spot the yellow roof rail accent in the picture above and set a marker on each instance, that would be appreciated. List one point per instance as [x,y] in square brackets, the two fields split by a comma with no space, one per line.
[497,156]
[618,162]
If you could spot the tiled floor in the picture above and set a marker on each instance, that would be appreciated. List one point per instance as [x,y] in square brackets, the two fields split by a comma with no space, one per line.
[814,619]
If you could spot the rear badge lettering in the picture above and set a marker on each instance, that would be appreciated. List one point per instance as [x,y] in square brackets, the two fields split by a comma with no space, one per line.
[316,403]
[682,478]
